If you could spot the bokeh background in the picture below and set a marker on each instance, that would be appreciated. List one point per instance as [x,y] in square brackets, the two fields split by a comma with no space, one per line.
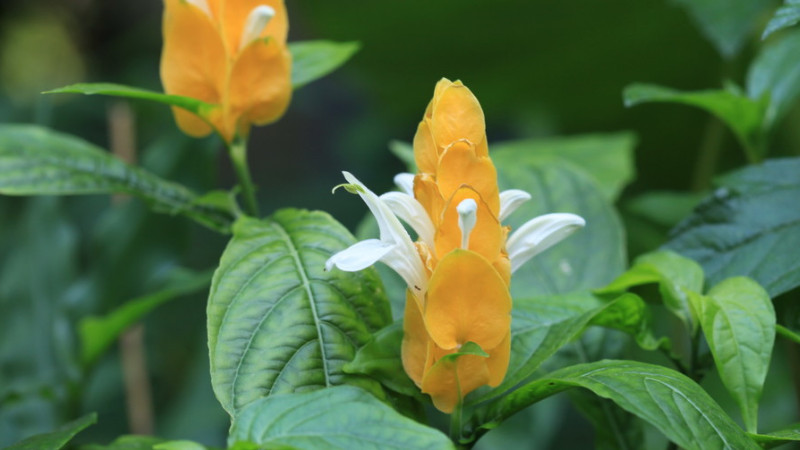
[540,69]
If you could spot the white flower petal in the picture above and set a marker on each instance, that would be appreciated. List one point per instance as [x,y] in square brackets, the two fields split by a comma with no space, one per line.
[510,200]
[539,234]
[255,23]
[405,181]
[403,258]
[409,210]
[359,256]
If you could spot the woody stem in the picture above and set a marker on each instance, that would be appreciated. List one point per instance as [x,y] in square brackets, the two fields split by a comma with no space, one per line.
[238,151]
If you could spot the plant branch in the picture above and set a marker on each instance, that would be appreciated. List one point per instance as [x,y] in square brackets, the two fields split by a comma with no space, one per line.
[238,153]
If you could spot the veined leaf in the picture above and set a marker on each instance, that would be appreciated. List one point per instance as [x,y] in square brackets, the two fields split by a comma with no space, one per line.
[779,437]
[738,320]
[37,161]
[341,417]
[668,400]
[786,16]
[312,60]
[380,358]
[277,322]
[775,74]
[57,439]
[749,227]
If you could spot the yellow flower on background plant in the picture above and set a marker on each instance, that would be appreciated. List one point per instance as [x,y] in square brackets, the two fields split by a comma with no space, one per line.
[231,54]
[457,322]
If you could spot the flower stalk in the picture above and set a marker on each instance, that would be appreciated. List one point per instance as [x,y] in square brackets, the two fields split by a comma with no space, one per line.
[238,153]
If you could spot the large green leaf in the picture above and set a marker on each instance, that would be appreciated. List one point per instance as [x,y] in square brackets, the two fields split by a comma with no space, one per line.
[738,321]
[37,161]
[779,437]
[57,439]
[341,417]
[726,23]
[315,59]
[607,158]
[676,276]
[786,16]
[666,399]
[277,322]
[775,74]
[99,333]
[744,116]
[588,259]
[750,226]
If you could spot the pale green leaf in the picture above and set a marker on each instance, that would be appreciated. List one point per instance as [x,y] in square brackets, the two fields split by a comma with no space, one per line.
[277,321]
[380,358]
[118,90]
[775,74]
[341,417]
[779,437]
[57,439]
[312,60]
[786,16]
[738,321]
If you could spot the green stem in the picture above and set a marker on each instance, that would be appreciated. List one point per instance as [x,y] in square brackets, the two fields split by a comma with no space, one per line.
[238,152]
[455,425]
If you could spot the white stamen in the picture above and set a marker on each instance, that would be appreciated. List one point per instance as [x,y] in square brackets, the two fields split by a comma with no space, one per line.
[405,181]
[202,4]
[510,200]
[467,217]
[256,22]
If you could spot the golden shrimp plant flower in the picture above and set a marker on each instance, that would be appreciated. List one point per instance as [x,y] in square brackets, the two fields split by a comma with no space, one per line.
[231,54]
[457,322]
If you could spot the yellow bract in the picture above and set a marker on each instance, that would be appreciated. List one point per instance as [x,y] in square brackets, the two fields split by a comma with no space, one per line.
[468,296]
[214,53]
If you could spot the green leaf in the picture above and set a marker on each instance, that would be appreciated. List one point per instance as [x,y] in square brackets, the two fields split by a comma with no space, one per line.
[380,358]
[786,16]
[606,158]
[726,23]
[749,227]
[57,439]
[99,333]
[780,437]
[743,115]
[341,417]
[277,322]
[666,399]
[590,258]
[614,428]
[198,107]
[738,321]
[37,161]
[630,314]
[676,276]
[663,208]
[128,442]
[312,60]
[775,74]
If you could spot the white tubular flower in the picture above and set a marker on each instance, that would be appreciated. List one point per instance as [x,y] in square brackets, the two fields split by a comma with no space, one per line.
[539,234]
[405,181]
[394,248]
[256,21]
[410,211]
[510,200]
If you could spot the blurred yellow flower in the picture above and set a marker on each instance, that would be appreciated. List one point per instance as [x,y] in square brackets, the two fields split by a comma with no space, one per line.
[231,54]
[458,272]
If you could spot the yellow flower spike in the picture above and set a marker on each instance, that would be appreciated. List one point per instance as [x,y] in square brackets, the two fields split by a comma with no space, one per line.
[426,155]
[486,236]
[414,349]
[497,362]
[467,301]
[456,114]
[448,380]
[459,165]
[231,54]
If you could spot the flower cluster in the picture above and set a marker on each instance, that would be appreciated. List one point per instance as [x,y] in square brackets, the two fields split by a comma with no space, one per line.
[231,54]
[457,322]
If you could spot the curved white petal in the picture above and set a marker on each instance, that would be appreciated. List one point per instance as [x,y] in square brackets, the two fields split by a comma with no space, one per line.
[510,200]
[405,181]
[255,23]
[408,209]
[359,256]
[539,234]
[202,4]
[403,257]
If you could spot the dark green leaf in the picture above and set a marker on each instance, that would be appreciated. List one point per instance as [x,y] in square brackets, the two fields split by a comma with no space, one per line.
[342,417]
[786,16]
[666,399]
[630,314]
[118,90]
[676,277]
[726,23]
[588,259]
[662,207]
[749,227]
[277,322]
[380,358]
[128,442]
[37,161]
[312,60]
[738,321]
[780,437]
[614,428]
[775,74]
[607,158]
[743,115]
[58,438]
[98,333]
